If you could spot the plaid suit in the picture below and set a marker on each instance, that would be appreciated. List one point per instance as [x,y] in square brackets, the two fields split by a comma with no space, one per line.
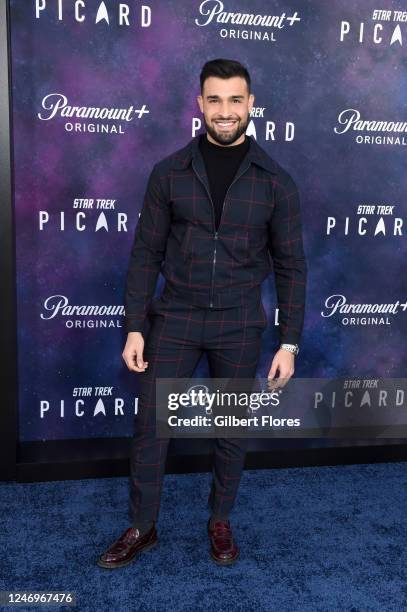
[211,301]
[259,232]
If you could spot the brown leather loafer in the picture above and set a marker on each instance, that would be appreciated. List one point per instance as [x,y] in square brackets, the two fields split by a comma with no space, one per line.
[224,549]
[126,547]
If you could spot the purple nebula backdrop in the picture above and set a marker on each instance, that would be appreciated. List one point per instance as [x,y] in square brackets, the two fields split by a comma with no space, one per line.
[307,77]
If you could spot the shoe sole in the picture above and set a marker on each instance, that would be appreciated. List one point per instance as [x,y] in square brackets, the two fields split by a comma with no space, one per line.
[106,565]
[226,561]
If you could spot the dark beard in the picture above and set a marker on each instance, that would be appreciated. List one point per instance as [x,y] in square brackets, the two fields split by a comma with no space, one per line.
[230,138]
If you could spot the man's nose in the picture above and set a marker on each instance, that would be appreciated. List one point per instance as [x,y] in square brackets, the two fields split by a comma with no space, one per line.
[226,110]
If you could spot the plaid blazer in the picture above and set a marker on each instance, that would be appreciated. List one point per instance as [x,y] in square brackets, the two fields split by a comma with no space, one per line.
[259,233]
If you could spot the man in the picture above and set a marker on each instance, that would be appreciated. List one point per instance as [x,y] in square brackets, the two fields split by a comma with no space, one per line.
[217,217]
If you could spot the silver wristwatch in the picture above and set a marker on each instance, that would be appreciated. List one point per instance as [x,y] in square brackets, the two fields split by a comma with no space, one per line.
[293,348]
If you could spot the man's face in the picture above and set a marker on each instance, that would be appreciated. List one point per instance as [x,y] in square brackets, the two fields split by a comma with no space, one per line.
[225,104]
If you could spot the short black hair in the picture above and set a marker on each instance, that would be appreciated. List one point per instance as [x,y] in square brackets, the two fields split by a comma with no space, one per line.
[224,69]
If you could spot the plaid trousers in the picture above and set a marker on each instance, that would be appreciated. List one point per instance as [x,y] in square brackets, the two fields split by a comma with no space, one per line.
[178,335]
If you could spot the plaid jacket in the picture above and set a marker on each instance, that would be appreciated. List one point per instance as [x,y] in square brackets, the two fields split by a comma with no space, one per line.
[259,232]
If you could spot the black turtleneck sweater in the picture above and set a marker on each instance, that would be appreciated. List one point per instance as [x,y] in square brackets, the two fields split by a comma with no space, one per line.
[221,165]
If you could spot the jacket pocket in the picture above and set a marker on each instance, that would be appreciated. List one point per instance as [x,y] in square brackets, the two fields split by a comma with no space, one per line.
[237,246]
[258,248]
[186,243]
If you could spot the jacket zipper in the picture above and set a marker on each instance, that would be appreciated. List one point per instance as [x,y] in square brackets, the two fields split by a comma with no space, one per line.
[215,236]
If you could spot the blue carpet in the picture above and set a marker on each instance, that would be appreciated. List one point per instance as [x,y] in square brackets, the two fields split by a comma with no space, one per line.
[327,538]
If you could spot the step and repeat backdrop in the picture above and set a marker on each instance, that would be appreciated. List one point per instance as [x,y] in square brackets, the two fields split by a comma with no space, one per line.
[103,90]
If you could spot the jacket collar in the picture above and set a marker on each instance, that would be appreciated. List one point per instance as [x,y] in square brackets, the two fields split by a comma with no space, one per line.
[254,155]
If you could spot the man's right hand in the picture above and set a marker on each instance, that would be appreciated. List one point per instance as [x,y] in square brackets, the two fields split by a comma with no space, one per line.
[133,352]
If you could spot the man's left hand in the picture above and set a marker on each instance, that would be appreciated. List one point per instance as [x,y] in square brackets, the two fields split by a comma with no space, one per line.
[283,361]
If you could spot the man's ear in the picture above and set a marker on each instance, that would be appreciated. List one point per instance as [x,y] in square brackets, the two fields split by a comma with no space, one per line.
[251,101]
[200,102]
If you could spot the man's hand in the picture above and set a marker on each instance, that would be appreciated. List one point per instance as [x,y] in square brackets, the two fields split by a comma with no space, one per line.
[283,362]
[133,352]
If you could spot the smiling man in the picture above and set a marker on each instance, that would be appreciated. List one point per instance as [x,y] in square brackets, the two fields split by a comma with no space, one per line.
[219,215]
[226,115]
